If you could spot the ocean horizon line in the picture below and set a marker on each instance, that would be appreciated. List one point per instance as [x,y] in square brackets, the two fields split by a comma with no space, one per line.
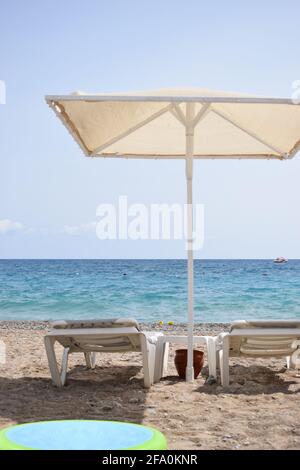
[141,259]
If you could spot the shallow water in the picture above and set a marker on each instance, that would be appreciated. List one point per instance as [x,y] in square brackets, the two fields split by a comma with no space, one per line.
[149,290]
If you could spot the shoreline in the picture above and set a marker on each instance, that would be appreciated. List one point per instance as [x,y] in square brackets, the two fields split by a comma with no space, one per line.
[177,328]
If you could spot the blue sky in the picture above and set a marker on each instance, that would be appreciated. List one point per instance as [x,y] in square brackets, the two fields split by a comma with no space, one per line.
[56,47]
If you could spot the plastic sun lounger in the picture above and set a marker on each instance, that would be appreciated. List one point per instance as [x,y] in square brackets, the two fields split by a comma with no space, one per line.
[92,336]
[261,338]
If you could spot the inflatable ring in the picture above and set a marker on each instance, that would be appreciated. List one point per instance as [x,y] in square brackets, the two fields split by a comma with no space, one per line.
[81,435]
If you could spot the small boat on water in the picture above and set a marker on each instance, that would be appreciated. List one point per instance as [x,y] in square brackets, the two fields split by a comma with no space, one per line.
[280,260]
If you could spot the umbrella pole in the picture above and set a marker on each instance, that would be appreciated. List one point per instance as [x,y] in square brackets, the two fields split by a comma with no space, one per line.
[189,132]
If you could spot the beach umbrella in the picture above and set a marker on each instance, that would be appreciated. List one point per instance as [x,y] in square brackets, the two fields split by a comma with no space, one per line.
[184,124]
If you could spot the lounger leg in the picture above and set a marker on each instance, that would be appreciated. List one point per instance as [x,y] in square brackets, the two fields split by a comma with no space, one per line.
[90,359]
[148,353]
[165,358]
[295,357]
[224,362]
[161,358]
[217,356]
[93,360]
[211,356]
[64,366]
[54,371]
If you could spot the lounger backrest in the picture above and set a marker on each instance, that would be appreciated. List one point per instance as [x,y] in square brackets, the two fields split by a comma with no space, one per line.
[242,324]
[101,323]
[262,345]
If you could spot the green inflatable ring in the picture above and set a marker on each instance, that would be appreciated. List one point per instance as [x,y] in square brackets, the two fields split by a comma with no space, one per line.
[81,435]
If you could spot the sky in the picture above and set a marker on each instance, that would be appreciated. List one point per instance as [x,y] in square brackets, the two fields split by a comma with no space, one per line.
[49,192]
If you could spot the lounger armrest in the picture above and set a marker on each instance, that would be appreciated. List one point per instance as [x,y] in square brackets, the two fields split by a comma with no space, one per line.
[221,336]
[220,339]
[152,336]
[95,323]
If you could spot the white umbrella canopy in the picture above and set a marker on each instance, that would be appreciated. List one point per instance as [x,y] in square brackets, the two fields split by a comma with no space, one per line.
[149,124]
[181,123]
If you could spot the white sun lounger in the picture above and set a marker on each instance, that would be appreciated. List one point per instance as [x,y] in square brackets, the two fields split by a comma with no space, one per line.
[261,338]
[92,336]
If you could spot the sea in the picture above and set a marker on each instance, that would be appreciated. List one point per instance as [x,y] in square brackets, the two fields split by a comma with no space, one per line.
[148,290]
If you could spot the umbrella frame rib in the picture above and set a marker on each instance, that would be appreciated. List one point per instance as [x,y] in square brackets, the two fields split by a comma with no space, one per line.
[133,129]
[170,99]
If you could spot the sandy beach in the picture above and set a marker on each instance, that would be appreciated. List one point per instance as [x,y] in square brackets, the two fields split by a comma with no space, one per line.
[259,410]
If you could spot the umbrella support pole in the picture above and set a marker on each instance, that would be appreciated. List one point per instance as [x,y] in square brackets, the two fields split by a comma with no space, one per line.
[189,132]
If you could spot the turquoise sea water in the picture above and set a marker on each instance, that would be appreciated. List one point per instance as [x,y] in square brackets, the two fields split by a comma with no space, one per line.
[149,290]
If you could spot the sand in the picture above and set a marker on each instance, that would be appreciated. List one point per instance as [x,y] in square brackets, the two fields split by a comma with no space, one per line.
[259,410]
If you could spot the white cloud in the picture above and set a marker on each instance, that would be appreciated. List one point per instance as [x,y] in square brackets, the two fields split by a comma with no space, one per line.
[80,229]
[2,92]
[7,225]
[11,226]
